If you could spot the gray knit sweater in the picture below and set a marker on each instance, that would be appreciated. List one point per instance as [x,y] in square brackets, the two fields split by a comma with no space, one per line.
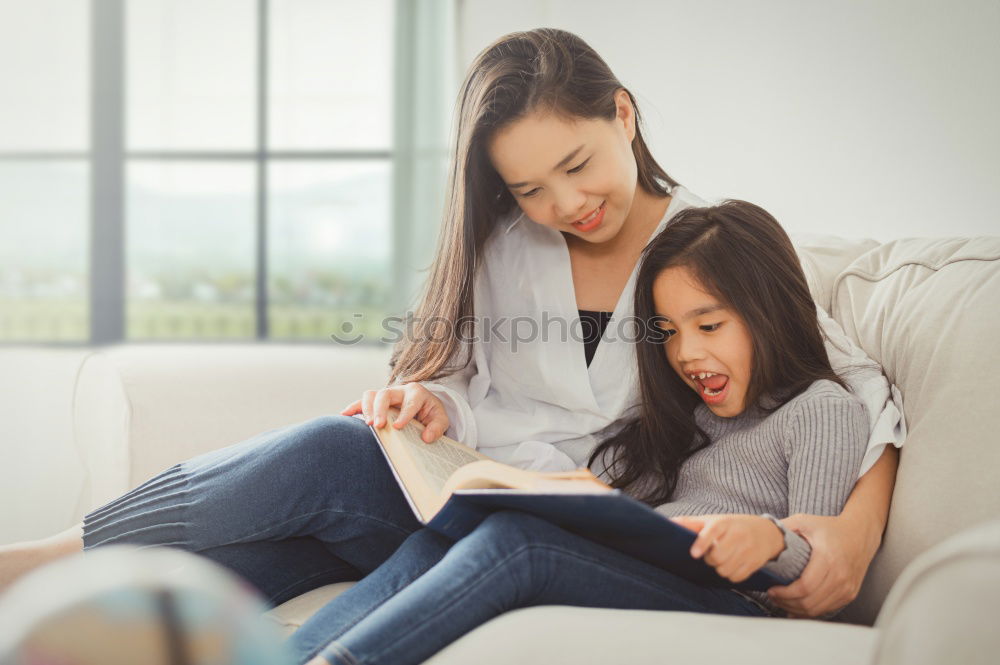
[803,458]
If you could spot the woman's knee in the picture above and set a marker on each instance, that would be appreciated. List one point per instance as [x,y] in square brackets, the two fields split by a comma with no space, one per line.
[327,438]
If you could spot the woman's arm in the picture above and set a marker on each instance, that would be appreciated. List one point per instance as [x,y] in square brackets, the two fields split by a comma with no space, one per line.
[842,546]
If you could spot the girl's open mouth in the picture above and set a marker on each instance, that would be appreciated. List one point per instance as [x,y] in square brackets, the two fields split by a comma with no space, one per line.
[712,388]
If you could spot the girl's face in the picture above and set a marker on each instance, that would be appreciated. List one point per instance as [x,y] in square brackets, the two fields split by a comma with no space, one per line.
[708,344]
[578,177]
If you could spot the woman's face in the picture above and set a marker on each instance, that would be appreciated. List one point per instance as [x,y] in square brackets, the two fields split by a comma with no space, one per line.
[578,176]
[708,344]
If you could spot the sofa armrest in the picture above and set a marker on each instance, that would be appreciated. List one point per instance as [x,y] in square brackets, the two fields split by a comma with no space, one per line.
[942,608]
[138,409]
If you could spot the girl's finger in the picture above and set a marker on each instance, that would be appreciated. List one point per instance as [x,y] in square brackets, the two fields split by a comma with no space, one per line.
[689,523]
[704,541]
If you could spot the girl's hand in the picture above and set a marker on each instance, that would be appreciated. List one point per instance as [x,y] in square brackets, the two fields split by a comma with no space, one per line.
[414,401]
[836,567]
[735,545]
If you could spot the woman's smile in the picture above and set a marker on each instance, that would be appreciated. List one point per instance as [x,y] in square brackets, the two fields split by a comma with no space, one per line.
[593,220]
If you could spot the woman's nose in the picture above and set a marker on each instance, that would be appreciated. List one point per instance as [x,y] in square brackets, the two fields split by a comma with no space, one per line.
[569,205]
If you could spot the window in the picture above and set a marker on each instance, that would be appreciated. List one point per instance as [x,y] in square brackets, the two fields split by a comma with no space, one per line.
[44,171]
[246,173]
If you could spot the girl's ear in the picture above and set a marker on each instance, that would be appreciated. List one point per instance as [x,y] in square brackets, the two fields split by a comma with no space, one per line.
[625,113]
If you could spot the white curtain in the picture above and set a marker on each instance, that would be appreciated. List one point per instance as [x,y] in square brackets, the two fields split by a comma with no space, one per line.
[426,83]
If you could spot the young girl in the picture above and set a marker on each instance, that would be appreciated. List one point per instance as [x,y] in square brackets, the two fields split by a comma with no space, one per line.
[741,418]
[553,196]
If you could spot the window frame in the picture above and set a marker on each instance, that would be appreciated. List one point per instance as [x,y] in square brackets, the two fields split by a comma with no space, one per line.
[108,158]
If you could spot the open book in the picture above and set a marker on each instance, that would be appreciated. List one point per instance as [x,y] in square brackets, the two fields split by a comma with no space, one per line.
[451,488]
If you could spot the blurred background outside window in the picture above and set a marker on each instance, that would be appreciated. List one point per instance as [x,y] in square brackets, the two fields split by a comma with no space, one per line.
[218,169]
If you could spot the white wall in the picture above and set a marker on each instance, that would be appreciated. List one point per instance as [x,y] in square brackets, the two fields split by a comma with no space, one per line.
[862,119]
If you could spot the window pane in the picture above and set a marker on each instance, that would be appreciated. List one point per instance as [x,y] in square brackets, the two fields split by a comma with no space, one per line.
[329,247]
[43,251]
[191,74]
[45,69]
[190,256]
[331,66]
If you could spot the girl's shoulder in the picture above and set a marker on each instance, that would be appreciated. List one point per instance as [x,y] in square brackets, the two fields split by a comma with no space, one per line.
[819,391]
[823,397]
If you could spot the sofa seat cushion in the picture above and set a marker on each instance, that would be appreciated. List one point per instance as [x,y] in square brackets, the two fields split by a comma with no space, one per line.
[562,634]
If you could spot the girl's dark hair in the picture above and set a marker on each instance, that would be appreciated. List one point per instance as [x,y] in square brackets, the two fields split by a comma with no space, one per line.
[544,70]
[743,257]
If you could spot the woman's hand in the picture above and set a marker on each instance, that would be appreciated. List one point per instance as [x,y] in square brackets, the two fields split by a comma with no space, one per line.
[413,400]
[836,567]
[735,545]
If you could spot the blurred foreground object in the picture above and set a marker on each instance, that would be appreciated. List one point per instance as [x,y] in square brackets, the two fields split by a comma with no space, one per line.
[120,604]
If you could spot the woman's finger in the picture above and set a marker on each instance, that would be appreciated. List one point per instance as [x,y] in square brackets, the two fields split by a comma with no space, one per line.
[366,405]
[434,429]
[351,409]
[413,401]
[795,598]
[383,400]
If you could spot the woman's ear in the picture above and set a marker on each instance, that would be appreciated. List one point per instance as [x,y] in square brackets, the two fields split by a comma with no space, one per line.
[625,113]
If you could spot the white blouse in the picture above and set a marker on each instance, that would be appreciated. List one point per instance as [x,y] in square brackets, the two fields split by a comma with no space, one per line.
[528,398]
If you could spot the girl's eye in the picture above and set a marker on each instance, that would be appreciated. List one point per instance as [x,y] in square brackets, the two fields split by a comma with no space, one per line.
[668,333]
[579,168]
[712,327]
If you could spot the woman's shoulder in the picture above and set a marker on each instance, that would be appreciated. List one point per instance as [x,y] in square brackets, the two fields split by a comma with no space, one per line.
[686,198]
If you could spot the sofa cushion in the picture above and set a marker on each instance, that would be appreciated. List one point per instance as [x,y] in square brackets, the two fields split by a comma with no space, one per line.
[557,634]
[824,257]
[928,310]
[290,615]
[138,409]
[587,636]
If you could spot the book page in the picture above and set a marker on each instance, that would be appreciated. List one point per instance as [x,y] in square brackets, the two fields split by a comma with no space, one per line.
[436,461]
[421,469]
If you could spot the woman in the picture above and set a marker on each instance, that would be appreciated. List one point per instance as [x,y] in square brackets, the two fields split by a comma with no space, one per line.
[553,195]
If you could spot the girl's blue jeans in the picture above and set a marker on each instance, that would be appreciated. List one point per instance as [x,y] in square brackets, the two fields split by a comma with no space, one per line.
[314,503]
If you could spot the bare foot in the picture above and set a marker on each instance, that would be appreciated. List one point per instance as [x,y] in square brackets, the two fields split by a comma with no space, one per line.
[20,558]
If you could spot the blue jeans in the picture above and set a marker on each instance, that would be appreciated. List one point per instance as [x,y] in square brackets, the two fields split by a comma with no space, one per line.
[432,591]
[290,509]
[315,503]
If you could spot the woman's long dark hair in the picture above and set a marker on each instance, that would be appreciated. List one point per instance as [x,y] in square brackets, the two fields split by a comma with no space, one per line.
[743,257]
[544,70]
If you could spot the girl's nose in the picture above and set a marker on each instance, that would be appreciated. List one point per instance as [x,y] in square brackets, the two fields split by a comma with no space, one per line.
[688,350]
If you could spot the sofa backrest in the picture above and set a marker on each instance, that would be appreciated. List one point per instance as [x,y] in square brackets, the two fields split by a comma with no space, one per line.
[928,310]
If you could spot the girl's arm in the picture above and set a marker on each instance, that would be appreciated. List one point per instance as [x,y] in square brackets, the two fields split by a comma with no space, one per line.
[842,546]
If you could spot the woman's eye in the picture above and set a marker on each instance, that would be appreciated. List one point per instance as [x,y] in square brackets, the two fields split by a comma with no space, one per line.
[712,327]
[531,193]
[579,168]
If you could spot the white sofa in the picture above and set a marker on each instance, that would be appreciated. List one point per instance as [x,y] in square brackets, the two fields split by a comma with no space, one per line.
[927,309]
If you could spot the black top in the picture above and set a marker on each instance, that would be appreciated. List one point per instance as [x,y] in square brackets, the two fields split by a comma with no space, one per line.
[592,325]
